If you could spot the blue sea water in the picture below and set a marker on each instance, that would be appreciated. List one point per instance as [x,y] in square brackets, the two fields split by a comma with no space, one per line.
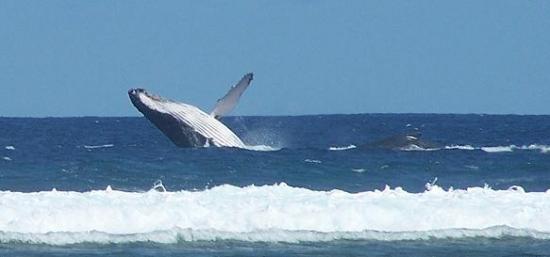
[83,186]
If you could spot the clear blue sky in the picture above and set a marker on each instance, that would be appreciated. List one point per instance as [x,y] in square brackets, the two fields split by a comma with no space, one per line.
[78,58]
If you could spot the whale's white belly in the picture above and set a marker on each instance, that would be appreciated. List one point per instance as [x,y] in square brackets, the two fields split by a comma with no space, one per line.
[209,127]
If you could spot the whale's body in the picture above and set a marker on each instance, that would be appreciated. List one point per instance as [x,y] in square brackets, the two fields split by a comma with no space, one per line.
[409,140]
[186,125]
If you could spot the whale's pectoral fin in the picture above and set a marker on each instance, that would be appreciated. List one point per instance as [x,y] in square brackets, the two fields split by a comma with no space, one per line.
[227,103]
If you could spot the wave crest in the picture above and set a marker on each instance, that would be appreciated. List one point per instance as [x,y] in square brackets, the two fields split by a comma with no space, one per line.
[281,236]
[271,213]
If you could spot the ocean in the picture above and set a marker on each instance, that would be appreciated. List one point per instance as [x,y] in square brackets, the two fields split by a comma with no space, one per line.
[305,186]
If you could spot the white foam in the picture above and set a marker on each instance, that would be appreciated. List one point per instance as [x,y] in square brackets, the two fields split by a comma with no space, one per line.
[414,147]
[498,149]
[270,213]
[261,148]
[98,146]
[541,148]
[511,148]
[6,158]
[501,149]
[342,148]
[10,147]
[460,147]
[313,161]
[273,235]
[488,149]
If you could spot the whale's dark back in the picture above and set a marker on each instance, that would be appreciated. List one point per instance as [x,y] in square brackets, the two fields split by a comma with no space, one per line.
[178,132]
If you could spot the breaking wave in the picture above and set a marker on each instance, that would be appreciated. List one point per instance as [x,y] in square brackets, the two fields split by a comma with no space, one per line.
[177,235]
[275,213]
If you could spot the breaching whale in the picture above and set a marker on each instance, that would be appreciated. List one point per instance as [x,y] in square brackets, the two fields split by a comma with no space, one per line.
[188,126]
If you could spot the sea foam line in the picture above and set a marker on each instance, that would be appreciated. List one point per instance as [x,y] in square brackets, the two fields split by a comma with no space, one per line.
[488,149]
[238,212]
[188,235]
[501,149]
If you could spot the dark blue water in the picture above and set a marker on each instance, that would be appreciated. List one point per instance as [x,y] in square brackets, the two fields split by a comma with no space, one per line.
[52,152]
[129,154]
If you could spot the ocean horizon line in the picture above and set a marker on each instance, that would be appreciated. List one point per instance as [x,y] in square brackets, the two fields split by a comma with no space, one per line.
[289,115]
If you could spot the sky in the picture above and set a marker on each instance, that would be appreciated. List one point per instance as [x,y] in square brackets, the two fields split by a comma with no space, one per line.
[79,58]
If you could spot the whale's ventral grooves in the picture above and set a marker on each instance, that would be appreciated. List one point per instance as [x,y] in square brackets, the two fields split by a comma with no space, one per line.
[186,125]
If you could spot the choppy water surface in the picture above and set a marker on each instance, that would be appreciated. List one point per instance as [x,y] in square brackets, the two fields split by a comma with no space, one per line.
[305,186]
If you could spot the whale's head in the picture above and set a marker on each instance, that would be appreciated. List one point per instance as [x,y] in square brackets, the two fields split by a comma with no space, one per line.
[137,95]
[140,93]
[132,92]
[166,115]
[143,100]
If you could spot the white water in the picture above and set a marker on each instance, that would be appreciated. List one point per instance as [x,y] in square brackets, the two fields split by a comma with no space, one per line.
[313,161]
[460,147]
[342,148]
[417,148]
[178,235]
[98,146]
[488,149]
[261,148]
[271,213]
[497,149]
[501,149]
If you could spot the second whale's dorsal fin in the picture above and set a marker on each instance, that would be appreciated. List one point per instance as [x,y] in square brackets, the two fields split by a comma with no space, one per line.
[227,103]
